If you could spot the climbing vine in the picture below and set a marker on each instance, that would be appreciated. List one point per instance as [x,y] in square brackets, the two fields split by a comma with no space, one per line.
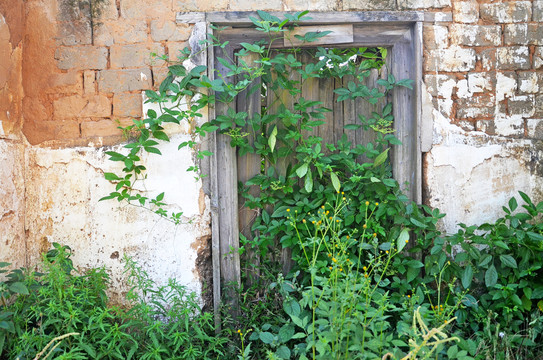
[276,134]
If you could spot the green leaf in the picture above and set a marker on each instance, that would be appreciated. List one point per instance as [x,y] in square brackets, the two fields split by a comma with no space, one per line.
[286,333]
[111,177]
[302,170]
[402,240]
[161,135]
[308,184]
[292,307]
[283,352]
[412,273]
[467,276]
[273,138]
[19,288]
[415,264]
[491,276]
[513,204]
[197,70]
[266,337]
[335,181]
[508,260]
[381,158]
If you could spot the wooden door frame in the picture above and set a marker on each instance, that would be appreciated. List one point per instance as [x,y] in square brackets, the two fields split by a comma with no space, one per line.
[401,32]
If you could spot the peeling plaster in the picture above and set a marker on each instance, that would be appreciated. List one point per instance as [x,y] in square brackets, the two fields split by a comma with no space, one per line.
[63,188]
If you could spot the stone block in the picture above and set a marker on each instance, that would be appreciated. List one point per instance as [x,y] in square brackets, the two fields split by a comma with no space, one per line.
[159,74]
[435,36]
[89,82]
[537,14]
[466,11]
[81,57]
[74,32]
[474,112]
[166,30]
[115,81]
[253,5]
[203,5]
[523,34]
[538,108]
[148,9]
[506,11]
[534,128]
[506,85]
[67,83]
[476,35]
[503,125]
[454,58]
[121,32]
[481,82]
[363,5]
[76,106]
[440,85]
[487,58]
[100,128]
[38,132]
[513,58]
[138,55]
[175,48]
[423,4]
[538,57]
[521,105]
[529,82]
[311,5]
[127,105]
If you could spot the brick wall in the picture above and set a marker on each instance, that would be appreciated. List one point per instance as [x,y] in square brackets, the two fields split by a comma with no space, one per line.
[483,61]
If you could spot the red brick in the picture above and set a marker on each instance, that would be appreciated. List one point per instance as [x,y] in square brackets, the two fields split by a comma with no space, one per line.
[81,57]
[76,106]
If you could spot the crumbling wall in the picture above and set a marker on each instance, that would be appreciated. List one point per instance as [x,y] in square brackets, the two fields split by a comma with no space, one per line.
[76,66]
[12,236]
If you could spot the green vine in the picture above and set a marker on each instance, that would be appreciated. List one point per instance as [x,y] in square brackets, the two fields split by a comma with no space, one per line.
[277,133]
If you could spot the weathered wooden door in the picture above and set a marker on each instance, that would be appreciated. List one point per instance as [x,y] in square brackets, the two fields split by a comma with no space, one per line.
[230,217]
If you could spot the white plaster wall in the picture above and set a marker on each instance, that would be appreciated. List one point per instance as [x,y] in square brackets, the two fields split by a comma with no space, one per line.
[12,197]
[471,175]
[63,187]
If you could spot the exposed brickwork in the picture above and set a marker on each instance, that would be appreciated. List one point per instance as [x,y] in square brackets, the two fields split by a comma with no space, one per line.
[483,60]
[127,105]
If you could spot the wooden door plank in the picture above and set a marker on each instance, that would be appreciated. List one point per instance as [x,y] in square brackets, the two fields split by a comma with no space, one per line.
[228,201]
[339,34]
[248,167]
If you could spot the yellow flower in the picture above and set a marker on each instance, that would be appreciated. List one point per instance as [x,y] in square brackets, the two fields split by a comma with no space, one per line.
[376,204]
[364,268]
[337,220]
[313,221]
[386,251]
[329,255]
[367,203]
[344,198]
[322,206]
[329,267]
[365,275]
[374,234]
[342,193]
[334,260]
[303,221]
[364,226]
[340,269]
[406,241]
[288,210]
[408,296]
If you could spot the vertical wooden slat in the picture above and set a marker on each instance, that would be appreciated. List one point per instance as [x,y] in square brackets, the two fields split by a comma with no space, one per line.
[228,201]
[406,156]
[326,95]
[248,167]
[214,203]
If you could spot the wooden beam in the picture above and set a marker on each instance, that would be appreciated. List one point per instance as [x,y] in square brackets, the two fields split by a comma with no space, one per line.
[339,34]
